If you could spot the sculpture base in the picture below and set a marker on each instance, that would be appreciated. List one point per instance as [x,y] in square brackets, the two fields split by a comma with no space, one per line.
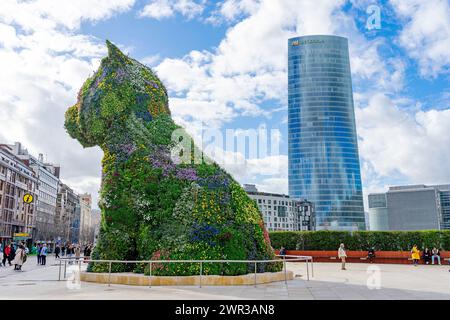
[213,280]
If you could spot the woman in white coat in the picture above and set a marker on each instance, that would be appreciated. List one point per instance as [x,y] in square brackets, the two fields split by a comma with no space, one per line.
[342,255]
[19,258]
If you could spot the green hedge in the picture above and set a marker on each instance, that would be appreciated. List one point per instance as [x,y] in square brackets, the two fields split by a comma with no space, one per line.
[360,240]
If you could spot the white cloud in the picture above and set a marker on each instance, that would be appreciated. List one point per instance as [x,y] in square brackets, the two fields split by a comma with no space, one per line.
[426,33]
[44,62]
[160,9]
[49,14]
[150,60]
[230,10]
[249,65]
[402,145]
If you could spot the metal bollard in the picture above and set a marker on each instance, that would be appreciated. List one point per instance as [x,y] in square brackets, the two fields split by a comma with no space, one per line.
[307,269]
[255,274]
[201,270]
[59,272]
[150,280]
[109,276]
[285,271]
[312,267]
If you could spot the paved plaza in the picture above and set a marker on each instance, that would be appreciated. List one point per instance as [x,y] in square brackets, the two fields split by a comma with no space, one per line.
[329,282]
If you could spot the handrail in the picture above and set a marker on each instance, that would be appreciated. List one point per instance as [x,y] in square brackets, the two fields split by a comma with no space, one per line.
[290,258]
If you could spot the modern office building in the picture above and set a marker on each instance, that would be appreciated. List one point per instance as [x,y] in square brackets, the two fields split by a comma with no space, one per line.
[378,214]
[416,207]
[281,213]
[16,180]
[323,149]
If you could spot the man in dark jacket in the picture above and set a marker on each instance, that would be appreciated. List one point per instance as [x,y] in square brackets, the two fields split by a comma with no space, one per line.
[427,256]
[57,251]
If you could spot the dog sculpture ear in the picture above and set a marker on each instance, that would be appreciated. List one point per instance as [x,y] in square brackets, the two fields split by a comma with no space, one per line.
[73,128]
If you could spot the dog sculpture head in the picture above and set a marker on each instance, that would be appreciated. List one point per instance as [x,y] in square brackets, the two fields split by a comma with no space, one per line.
[121,87]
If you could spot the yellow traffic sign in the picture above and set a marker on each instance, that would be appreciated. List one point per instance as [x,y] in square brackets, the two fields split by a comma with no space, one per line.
[22,234]
[28,198]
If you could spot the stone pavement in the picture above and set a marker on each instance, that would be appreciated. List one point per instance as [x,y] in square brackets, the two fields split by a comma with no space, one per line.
[329,282]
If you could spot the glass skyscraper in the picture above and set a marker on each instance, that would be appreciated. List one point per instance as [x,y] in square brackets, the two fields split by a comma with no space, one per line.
[323,149]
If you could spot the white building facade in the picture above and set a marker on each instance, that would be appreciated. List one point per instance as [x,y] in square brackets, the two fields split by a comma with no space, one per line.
[281,213]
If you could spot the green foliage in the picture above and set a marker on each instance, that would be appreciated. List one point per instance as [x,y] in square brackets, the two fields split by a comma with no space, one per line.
[153,208]
[360,240]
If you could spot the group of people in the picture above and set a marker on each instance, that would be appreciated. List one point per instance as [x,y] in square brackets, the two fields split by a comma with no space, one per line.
[342,254]
[13,255]
[41,252]
[427,255]
[73,250]
[16,254]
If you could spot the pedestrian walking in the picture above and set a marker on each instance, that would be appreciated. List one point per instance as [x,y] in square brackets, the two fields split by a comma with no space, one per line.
[38,253]
[342,255]
[44,251]
[1,255]
[20,257]
[63,250]
[57,251]
[69,253]
[77,252]
[87,252]
[12,253]
[435,254]
[6,251]
[415,255]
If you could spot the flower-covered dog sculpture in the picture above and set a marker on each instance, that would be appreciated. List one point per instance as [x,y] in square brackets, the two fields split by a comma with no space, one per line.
[152,206]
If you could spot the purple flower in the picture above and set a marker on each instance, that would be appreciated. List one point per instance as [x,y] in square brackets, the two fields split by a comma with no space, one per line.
[187,174]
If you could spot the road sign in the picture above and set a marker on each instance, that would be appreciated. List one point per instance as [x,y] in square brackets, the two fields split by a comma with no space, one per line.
[28,198]
[22,234]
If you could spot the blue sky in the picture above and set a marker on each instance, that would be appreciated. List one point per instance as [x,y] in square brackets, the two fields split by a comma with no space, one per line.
[224,64]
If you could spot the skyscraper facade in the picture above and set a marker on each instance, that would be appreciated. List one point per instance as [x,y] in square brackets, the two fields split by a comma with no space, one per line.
[323,149]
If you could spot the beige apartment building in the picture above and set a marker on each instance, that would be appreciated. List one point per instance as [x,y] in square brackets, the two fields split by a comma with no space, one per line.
[16,180]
